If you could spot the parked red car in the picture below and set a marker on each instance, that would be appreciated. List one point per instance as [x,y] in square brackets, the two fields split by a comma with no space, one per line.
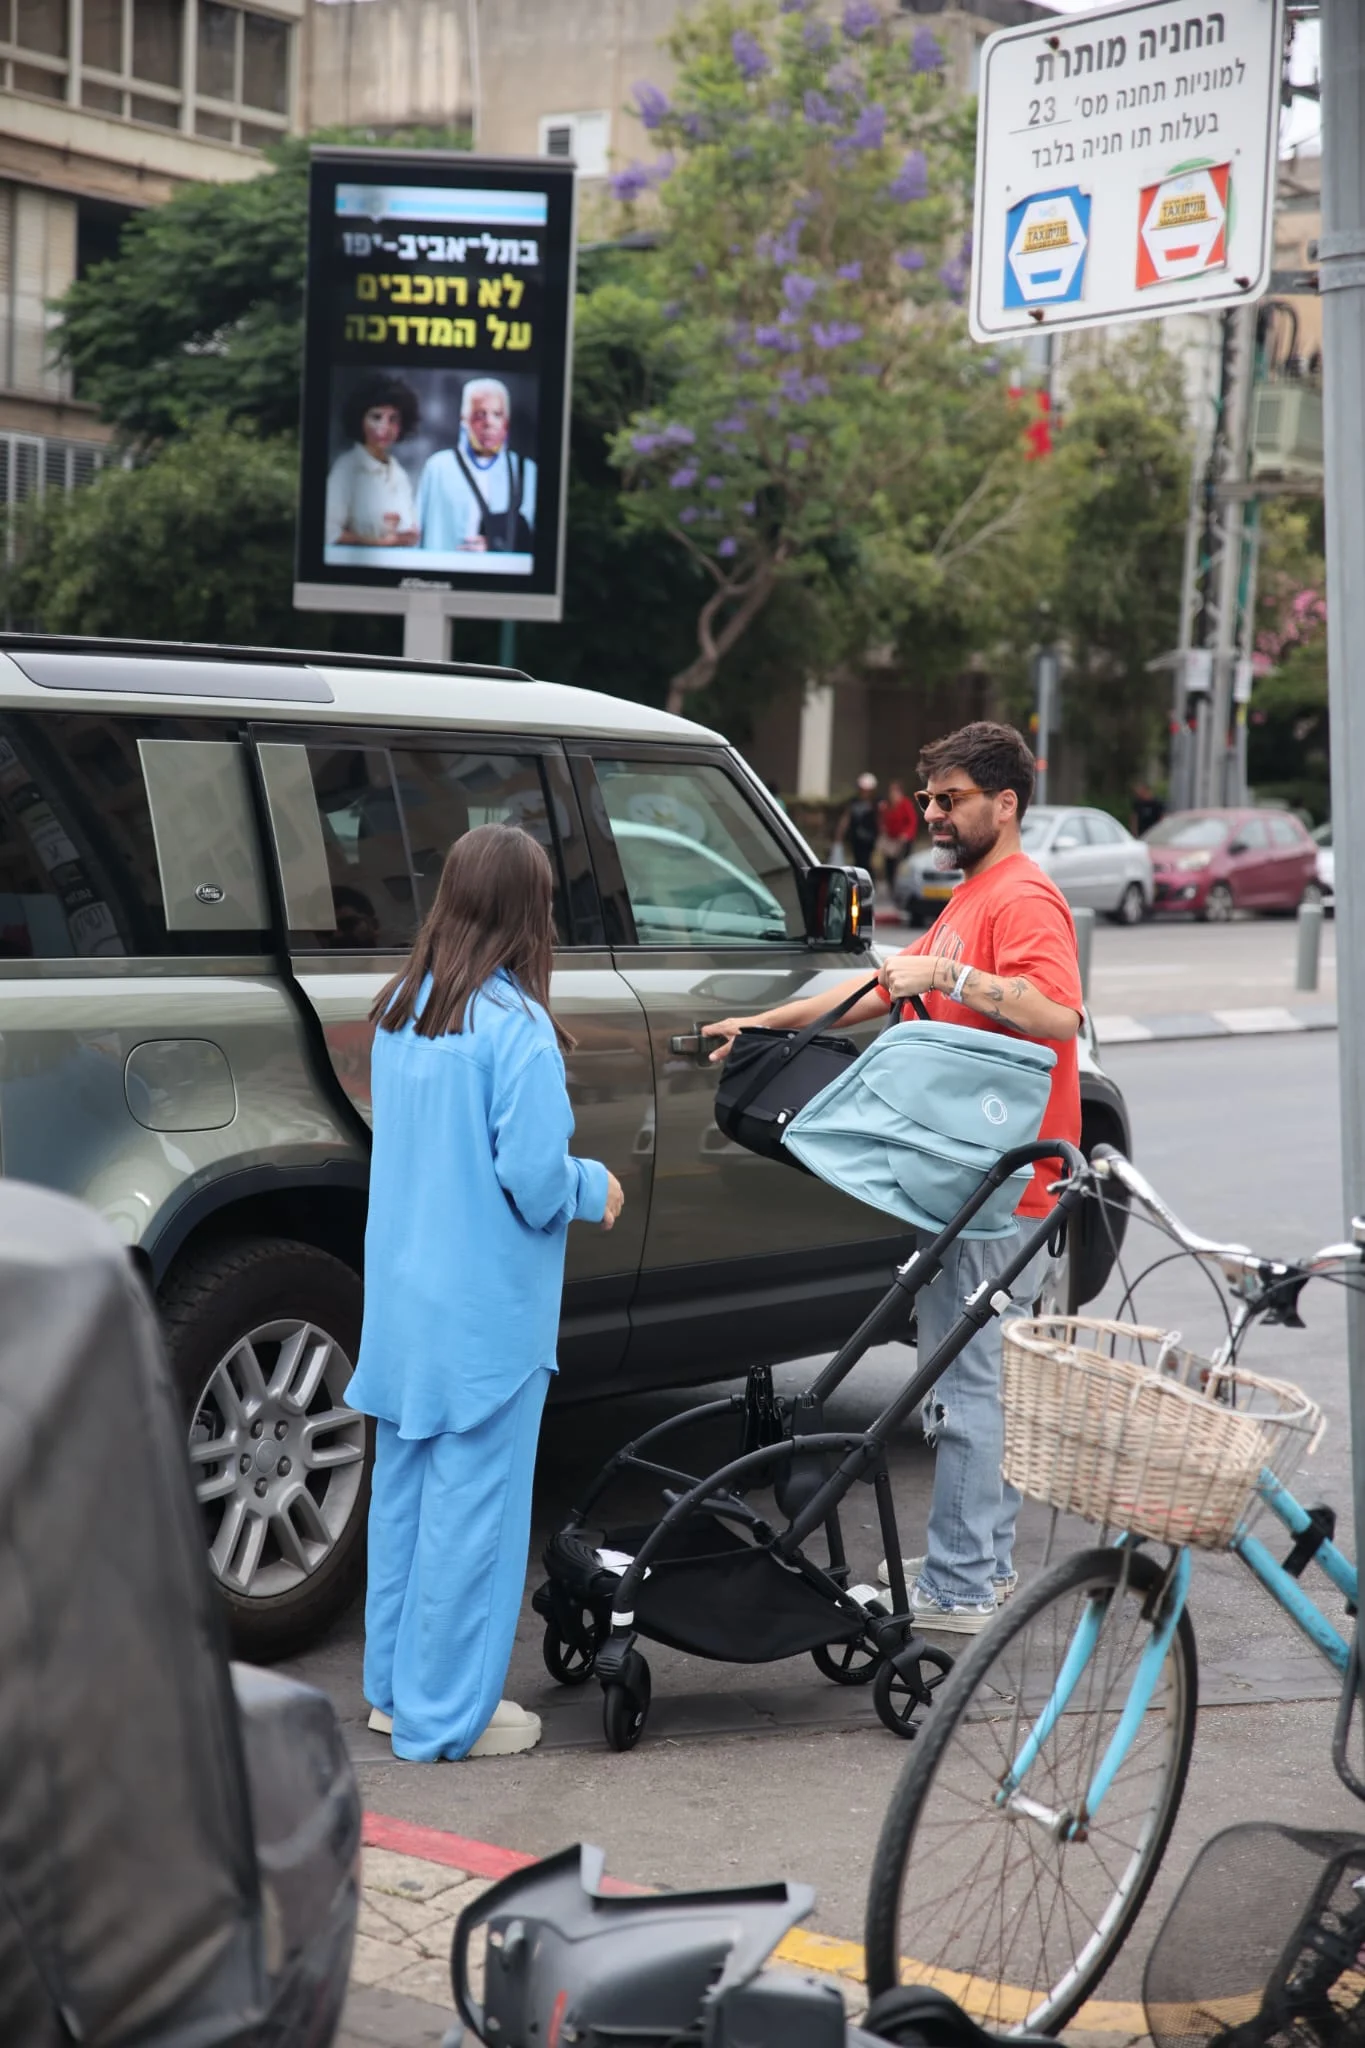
[1212,863]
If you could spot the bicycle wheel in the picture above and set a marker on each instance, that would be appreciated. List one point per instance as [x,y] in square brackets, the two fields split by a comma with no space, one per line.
[1016,1923]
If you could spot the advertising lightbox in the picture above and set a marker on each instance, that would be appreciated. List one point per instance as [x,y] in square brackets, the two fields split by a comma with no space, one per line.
[436,370]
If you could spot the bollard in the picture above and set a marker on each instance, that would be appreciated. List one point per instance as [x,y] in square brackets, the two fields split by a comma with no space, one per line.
[1310,945]
[1085,935]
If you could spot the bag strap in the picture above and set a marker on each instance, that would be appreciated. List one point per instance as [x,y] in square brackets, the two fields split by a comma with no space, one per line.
[779,1055]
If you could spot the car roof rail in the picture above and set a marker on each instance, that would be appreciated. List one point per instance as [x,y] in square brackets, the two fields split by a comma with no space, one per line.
[292,657]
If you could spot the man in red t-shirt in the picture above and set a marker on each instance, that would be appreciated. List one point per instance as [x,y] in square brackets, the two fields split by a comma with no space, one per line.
[1001,957]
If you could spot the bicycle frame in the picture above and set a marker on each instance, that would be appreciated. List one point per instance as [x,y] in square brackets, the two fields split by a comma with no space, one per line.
[1283,1588]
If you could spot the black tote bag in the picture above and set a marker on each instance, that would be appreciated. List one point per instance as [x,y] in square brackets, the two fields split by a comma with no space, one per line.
[770,1075]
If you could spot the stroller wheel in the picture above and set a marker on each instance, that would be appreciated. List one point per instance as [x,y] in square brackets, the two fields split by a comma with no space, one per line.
[625,1707]
[855,1663]
[905,1685]
[571,1658]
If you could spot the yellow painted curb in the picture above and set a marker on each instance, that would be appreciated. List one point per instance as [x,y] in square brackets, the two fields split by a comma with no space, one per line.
[1006,2004]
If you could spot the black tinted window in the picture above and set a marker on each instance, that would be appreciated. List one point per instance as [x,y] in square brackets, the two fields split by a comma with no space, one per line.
[445,795]
[367,860]
[78,865]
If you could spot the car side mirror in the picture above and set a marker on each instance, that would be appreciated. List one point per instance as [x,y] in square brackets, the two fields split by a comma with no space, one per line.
[838,905]
[1068,843]
[1238,846]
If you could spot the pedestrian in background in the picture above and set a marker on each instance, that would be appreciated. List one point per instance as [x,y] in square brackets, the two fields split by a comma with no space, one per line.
[1148,810]
[899,822]
[472,1190]
[859,826]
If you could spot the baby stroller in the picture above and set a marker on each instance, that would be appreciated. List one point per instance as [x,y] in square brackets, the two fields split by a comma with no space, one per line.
[725,1575]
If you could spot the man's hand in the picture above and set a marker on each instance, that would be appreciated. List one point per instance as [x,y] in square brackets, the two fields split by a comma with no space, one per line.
[913,974]
[616,1200]
[727,1030]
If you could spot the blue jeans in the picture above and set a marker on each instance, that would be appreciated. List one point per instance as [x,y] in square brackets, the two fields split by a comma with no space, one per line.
[450,1522]
[973,1512]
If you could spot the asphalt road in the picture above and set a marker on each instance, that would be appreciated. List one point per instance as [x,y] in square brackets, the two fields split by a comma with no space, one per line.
[746,1773]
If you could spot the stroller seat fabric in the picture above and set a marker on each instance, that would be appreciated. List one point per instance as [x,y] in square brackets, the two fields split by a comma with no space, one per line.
[917,1120]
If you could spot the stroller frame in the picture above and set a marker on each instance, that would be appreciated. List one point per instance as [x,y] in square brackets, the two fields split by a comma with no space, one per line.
[590,1610]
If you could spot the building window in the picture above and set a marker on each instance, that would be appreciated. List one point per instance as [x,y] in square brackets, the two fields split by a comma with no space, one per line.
[37,263]
[31,464]
[586,138]
[133,63]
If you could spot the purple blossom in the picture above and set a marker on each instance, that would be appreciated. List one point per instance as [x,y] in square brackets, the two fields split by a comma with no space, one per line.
[845,78]
[816,35]
[801,390]
[645,444]
[684,478]
[746,359]
[729,546]
[651,105]
[777,337]
[820,112]
[733,425]
[868,131]
[850,273]
[953,277]
[835,333]
[699,270]
[749,54]
[860,16]
[715,483]
[786,318]
[689,515]
[676,435]
[965,252]
[804,204]
[925,51]
[911,180]
[911,259]
[798,443]
[748,508]
[796,6]
[798,290]
[627,185]
[672,309]
[694,127]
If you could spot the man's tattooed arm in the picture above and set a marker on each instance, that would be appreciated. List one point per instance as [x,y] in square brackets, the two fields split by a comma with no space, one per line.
[1019,1004]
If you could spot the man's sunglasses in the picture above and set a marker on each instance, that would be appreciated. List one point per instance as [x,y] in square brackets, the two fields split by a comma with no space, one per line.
[946,798]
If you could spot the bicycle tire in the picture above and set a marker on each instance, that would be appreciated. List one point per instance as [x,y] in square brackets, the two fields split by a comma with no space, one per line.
[930,1836]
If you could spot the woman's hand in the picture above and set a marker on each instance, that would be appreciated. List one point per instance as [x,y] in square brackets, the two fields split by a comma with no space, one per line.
[727,1030]
[616,1200]
[910,974]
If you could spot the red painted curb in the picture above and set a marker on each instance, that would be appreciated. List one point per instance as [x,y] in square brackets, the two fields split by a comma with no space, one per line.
[458,1852]
[434,1845]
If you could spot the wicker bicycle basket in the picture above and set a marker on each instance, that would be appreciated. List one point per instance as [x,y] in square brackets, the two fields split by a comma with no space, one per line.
[1124,1426]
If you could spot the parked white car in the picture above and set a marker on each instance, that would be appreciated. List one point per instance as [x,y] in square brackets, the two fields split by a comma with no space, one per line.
[1327,865]
[1095,863]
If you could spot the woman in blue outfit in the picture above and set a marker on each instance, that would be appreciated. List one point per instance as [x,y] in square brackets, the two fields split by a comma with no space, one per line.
[472,1190]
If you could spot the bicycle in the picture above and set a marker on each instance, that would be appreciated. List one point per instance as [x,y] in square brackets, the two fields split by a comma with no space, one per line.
[1027,1828]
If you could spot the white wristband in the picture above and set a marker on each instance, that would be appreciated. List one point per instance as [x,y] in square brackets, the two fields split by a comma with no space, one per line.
[960,984]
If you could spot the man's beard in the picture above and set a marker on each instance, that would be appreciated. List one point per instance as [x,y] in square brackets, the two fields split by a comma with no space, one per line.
[963,850]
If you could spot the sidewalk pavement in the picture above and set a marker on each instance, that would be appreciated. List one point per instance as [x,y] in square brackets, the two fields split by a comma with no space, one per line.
[418,1880]
[1235,1023]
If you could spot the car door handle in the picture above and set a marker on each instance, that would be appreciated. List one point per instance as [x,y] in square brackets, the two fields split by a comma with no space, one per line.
[688,1043]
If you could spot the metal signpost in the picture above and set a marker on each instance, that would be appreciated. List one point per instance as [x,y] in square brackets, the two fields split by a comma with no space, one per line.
[1125,165]
[1341,253]
[435,395]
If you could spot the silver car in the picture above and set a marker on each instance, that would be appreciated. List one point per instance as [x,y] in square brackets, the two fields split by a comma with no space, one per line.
[1095,863]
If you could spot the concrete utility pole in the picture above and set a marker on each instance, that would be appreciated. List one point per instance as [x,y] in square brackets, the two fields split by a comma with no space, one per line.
[1341,254]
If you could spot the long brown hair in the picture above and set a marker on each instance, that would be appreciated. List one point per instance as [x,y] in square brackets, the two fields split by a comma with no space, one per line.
[494,908]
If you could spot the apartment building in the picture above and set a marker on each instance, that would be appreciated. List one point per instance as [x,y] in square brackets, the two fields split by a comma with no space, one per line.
[106,106]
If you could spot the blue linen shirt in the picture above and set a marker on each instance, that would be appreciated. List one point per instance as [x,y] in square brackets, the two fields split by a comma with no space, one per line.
[472,1190]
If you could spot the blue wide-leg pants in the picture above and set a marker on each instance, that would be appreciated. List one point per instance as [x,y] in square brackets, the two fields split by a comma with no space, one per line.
[450,1521]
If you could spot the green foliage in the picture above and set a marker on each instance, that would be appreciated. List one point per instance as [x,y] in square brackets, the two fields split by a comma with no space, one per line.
[828,424]
[1111,552]
[1289,730]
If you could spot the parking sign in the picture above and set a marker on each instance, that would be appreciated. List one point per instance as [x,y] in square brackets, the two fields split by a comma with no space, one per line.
[1125,165]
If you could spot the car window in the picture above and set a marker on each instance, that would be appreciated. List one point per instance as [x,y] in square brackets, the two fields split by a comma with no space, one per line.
[1034,831]
[367,861]
[1282,833]
[1103,830]
[79,870]
[1252,834]
[446,794]
[1188,831]
[1070,833]
[700,865]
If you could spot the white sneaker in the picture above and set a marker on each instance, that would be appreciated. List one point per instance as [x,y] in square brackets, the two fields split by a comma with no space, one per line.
[511,1730]
[962,1618]
[913,1566]
[381,1723]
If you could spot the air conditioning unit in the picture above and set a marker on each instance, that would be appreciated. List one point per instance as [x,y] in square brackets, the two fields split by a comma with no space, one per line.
[1286,430]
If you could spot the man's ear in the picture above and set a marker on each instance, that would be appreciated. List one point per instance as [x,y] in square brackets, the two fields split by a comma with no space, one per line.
[1010,799]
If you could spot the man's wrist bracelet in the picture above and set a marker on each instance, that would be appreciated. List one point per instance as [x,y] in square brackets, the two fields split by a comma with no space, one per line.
[960,984]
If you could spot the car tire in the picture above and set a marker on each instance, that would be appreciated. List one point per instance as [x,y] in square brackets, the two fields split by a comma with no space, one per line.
[1219,905]
[1313,892]
[1131,907]
[262,1336]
